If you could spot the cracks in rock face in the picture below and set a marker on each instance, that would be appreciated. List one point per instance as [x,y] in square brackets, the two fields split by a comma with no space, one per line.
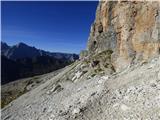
[94,42]
[110,12]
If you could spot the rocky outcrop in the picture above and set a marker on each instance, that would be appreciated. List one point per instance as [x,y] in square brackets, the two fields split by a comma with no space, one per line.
[129,28]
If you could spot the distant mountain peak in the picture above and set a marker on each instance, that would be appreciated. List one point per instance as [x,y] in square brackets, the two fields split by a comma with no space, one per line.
[21,44]
[4,47]
[4,43]
[22,50]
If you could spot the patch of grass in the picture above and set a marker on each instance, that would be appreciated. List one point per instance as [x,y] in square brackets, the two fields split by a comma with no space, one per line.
[104,54]
[10,97]
[38,81]
[94,74]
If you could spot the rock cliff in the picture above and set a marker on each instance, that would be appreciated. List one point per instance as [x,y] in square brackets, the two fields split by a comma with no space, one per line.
[131,29]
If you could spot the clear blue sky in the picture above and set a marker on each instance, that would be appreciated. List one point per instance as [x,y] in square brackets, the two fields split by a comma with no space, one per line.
[53,26]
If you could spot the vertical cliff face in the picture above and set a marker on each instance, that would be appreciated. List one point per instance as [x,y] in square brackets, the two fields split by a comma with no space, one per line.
[131,29]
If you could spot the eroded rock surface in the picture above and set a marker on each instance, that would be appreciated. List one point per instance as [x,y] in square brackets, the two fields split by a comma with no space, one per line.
[129,28]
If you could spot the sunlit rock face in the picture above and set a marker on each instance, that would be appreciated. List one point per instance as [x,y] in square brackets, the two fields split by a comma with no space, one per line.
[129,28]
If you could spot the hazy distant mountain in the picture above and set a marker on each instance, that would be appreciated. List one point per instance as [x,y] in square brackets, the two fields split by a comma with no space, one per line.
[21,61]
[27,67]
[4,47]
[22,50]
[9,70]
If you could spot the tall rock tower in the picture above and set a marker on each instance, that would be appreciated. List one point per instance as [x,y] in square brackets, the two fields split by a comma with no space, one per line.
[131,29]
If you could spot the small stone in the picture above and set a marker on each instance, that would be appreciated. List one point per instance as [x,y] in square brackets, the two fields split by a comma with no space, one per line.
[78,74]
[52,116]
[153,85]
[75,111]
[74,78]
[60,111]
[124,107]
[159,75]
[116,104]
[44,109]
[100,81]
[105,77]
[93,94]
[79,89]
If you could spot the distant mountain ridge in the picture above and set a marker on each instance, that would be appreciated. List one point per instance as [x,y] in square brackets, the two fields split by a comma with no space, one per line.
[21,60]
[22,50]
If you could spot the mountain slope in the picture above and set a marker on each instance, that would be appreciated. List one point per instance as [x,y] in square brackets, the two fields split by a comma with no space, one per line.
[21,60]
[21,50]
[131,94]
[27,67]
[13,90]
[9,70]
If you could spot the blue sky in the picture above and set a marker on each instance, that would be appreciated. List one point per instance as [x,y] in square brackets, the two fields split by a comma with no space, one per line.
[53,26]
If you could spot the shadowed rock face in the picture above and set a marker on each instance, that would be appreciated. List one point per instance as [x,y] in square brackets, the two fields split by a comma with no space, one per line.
[130,29]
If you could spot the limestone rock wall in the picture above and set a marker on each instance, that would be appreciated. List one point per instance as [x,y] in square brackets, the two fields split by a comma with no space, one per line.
[131,29]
